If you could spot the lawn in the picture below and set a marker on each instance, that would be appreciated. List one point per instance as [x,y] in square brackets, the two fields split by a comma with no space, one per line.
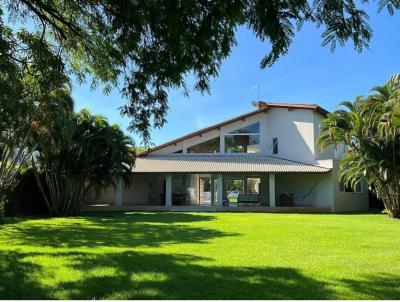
[201,256]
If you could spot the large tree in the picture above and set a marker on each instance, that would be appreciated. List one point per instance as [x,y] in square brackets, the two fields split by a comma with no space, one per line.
[29,73]
[151,45]
[369,127]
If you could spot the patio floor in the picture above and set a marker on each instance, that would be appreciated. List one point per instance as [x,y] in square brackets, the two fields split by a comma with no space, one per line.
[194,208]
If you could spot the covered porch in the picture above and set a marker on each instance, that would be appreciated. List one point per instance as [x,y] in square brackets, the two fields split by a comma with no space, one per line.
[221,183]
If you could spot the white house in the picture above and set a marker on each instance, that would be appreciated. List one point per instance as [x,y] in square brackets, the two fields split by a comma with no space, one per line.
[266,159]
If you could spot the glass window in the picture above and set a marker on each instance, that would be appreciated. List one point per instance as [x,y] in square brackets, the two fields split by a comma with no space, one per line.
[243,140]
[254,128]
[184,189]
[275,145]
[242,143]
[233,187]
[348,189]
[253,185]
[241,185]
[210,146]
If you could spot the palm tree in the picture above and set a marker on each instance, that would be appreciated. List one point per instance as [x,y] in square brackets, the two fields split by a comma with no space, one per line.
[369,127]
[85,155]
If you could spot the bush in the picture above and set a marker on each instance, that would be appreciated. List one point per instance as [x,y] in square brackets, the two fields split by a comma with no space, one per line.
[26,198]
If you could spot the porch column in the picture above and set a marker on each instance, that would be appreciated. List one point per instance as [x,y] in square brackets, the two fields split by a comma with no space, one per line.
[220,194]
[118,194]
[272,190]
[168,190]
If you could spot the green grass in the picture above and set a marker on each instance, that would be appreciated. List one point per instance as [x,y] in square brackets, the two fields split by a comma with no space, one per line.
[201,256]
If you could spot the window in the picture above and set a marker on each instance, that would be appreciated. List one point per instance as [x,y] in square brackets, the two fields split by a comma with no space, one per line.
[179,151]
[210,146]
[348,189]
[275,145]
[235,186]
[253,185]
[243,140]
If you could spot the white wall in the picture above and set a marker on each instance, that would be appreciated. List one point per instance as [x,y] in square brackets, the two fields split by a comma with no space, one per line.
[348,201]
[295,130]
[329,153]
[145,189]
[317,187]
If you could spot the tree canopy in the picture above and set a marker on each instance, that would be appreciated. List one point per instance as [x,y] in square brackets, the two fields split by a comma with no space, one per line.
[369,127]
[152,45]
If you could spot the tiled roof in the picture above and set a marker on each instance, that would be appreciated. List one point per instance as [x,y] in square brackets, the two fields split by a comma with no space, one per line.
[222,163]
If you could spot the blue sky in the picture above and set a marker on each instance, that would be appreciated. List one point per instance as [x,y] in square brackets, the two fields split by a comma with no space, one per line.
[309,73]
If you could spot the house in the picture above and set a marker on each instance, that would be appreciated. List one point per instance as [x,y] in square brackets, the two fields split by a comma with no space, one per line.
[268,158]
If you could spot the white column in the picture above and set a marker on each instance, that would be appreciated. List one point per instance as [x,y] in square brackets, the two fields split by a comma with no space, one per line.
[272,190]
[118,194]
[221,143]
[168,190]
[219,190]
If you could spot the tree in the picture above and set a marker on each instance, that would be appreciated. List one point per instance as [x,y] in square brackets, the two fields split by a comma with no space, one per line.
[29,72]
[153,44]
[370,128]
[78,156]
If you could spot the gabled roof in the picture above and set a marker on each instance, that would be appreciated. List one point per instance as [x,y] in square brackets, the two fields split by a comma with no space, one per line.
[222,163]
[262,107]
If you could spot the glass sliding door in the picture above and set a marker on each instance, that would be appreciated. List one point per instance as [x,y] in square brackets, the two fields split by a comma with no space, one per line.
[205,190]
[184,189]
[233,186]
[239,185]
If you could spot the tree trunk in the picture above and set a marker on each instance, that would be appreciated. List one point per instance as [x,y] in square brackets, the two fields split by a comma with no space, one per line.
[2,206]
[394,213]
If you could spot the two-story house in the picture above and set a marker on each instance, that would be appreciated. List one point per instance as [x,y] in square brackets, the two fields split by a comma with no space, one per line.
[268,158]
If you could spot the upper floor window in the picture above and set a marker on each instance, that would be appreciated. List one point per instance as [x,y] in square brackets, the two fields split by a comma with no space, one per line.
[275,145]
[210,146]
[243,140]
[349,189]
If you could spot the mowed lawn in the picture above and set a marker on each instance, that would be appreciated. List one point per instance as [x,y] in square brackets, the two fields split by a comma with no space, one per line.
[201,256]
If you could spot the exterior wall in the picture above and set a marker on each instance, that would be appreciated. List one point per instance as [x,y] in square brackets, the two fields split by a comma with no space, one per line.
[145,189]
[313,189]
[106,197]
[295,130]
[329,153]
[349,201]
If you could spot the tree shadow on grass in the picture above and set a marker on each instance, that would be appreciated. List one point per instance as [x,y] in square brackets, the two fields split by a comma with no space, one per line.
[148,217]
[136,275]
[118,231]
[14,280]
[384,286]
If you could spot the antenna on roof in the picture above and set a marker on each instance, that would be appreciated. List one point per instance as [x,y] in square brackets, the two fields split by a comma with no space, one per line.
[255,103]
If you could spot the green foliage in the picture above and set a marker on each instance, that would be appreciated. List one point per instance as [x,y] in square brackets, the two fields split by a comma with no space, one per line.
[152,45]
[370,130]
[26,198]
[30,69]
[79,155]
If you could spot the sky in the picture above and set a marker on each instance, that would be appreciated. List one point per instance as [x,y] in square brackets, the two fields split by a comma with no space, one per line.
[309,73]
